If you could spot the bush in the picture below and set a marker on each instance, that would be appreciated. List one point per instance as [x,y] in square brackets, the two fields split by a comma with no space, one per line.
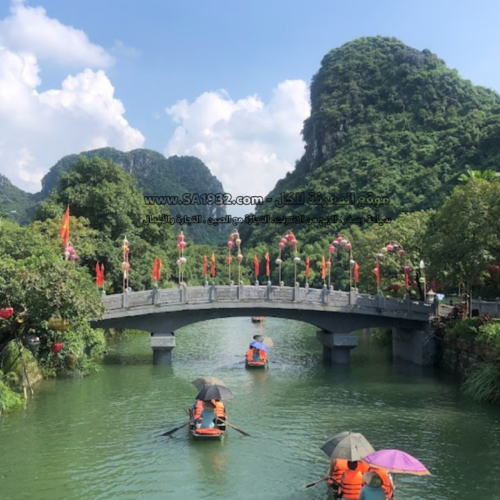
[8,398]
[483,383]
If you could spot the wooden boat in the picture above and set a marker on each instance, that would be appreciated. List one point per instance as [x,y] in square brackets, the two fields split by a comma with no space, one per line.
[215,434]
[257,319]
[256,364]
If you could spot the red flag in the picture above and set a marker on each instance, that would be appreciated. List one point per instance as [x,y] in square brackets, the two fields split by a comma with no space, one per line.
[205,265]
[434,285]
[213,265]
[308,271]
[323,268]
[157,269]
[407,280]
[256,264]
[99,274]
[64,231]
[268,270]
[356,272]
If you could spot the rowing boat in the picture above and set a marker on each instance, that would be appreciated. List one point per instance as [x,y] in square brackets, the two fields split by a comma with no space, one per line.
[257,319]
[214,434]
[255,364]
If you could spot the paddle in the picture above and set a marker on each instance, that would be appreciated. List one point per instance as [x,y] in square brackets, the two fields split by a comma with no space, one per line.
[239,430]
[315,482]
[174,430]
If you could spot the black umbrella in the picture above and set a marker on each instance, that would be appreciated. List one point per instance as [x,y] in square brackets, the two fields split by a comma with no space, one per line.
[210,392]
[348,445]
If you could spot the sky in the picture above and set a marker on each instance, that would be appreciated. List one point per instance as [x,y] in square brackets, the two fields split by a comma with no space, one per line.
[225,81]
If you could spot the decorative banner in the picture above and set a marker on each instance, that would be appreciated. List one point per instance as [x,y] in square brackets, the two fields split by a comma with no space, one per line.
[268,268]
[213,265]
[308,270]
[356,273]
[125,263]
[323,268]
[99,275]
[205,265]
[376,271]
[407,270]
[157,270]
[256,265]
[64,231]
[181,245]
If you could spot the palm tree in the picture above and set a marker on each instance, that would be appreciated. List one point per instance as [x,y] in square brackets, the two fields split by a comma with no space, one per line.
[487,175]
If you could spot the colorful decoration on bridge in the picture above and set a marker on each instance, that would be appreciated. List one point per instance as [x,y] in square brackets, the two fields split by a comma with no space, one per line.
[376,271]
[212,271]
[181,245]
[288,239]
[205,266]
[268,266]
[308,268]
[396,249]
[99,275]
[356,273]
[57,347]
[340,243]
[125,263]
[256,266]
[323,268]
[64,231]
[70,254]
[6,312]
[157,270]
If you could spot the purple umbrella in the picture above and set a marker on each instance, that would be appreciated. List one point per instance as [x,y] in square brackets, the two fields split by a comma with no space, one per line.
[396,461]
[260,345]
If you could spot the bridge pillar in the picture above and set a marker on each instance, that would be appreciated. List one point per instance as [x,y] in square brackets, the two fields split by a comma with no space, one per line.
[417,346]
[337,346]
[162,344]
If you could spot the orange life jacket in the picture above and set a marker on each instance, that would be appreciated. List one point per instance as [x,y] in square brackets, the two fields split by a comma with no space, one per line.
[198,409]
[263,355]
[352,482]
[386,482]
[250,355]
[338,469]
[219,409]
[362,467]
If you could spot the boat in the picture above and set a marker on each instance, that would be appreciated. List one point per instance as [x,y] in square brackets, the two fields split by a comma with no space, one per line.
[256,364]
[257,319]
[215,434]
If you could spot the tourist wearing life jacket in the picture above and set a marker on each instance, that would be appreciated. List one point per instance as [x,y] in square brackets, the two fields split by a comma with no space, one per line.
[352,482]
[250,354]
[373,489]
[262,355]
[197,408]
[337,469]
[207,417]
[387,483]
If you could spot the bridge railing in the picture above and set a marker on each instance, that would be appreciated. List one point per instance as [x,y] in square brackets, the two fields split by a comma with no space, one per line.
[258,293]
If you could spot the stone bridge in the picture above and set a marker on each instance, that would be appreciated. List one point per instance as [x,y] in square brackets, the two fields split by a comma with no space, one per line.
[337,314]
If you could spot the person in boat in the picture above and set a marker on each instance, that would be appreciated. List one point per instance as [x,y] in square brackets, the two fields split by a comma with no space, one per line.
[219,409]
[208,416]
[387,483]
[352,482]
[373,489]
[337,468]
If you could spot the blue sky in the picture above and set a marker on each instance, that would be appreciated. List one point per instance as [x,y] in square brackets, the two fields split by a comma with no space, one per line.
[167,51]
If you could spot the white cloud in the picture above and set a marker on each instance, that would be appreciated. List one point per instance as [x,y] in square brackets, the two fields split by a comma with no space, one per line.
[29,29]
[38,128]
[247,144]
[122,50]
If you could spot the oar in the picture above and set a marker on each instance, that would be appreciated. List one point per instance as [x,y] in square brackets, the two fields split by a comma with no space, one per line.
[315,482]
[174,430]
[239,430]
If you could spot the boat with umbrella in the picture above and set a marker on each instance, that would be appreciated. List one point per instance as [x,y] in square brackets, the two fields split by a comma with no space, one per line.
[257,355]
[208,393]
[350,446]
[257,319]
[264,339]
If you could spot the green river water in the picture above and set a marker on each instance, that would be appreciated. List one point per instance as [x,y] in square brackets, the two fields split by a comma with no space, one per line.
[98,438]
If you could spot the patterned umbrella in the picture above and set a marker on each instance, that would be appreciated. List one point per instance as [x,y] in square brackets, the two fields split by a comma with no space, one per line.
[264,339]
[397,462]
[201,382]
